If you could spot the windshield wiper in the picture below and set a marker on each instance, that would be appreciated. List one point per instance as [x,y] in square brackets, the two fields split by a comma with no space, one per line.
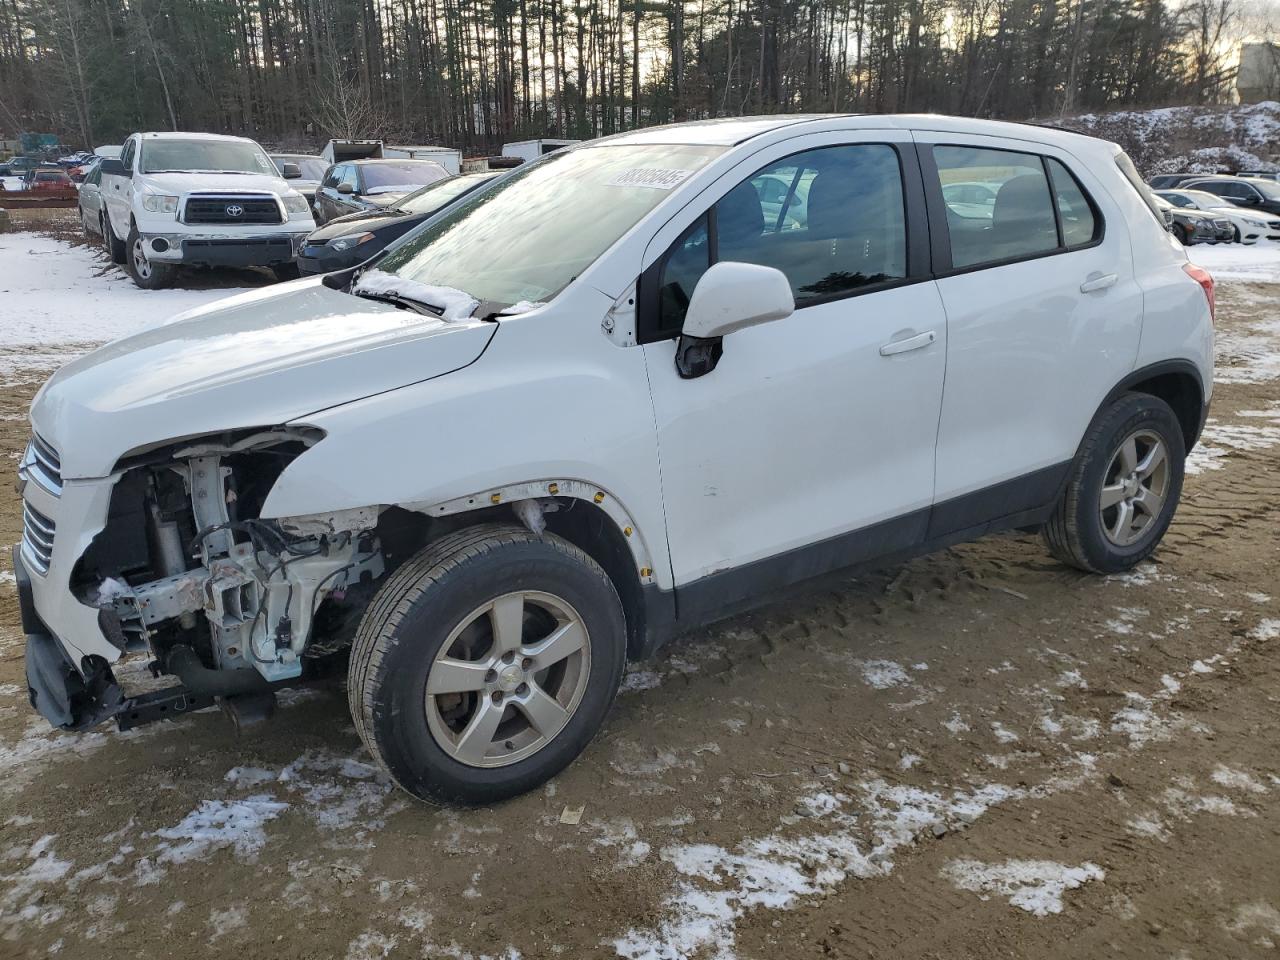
[404,303]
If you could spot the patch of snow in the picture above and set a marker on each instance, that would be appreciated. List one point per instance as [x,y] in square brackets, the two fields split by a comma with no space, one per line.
[57,294]
[883,674]
[222,922]
[1268,629]
[955,725]
[1036,886]
[1236,780]
[1003,734]
[219,824]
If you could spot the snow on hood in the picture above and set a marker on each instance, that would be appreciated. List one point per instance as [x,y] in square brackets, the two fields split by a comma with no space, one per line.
[453,304]
[258,359]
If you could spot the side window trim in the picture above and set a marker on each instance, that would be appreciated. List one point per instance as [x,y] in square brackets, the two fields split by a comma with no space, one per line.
[939,231]
[917,224]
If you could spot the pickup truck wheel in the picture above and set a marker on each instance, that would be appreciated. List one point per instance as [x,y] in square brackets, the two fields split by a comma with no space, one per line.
[146,273]
[114,246]
[1123,488]
[486,664]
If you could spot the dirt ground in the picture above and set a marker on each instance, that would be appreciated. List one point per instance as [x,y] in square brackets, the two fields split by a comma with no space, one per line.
[979,754]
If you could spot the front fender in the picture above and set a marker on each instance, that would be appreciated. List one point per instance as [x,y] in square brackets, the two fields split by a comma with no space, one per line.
[552,401]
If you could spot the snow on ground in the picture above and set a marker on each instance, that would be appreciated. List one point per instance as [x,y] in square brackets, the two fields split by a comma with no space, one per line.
[1259,263]
[55,293]
[1034,885]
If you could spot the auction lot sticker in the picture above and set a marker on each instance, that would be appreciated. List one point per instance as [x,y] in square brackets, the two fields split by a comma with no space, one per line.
[655,177]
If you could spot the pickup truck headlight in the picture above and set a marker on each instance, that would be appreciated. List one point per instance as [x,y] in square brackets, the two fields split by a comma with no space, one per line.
[159,203]
[296,204]
[346,243]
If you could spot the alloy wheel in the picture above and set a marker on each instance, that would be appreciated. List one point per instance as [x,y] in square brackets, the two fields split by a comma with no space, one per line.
[1134,488]
[508,679]
[141,265]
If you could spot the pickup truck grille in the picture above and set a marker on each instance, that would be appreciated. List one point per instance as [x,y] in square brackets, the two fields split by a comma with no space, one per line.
[37,538]
[41,464]
[232,210]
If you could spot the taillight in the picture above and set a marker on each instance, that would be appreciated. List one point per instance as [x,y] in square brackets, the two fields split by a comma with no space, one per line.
[1203,277]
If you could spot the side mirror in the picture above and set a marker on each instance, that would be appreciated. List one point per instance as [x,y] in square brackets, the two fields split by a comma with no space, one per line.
[346,189]
[112,166]
[730,296]
[290,171]
[1252,201]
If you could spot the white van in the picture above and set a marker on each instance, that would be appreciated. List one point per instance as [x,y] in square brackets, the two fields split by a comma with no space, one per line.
[618,397]
[199,199]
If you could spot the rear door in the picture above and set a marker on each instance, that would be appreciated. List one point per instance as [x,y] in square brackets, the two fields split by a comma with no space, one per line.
[811,444]
[1043,318]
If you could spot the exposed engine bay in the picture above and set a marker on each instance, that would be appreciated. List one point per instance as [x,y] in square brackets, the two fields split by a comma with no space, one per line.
[186,570]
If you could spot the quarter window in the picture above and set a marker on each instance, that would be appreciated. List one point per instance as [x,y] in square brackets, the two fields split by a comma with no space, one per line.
[1079,225]
[832,219]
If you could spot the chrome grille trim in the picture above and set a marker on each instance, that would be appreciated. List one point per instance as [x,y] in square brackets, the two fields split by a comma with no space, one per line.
[37,538]
[41,464]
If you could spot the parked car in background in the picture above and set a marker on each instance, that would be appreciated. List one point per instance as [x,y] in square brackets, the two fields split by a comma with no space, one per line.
[16,166]
[310,172]
[199,199]
[92,212]
[1250,227]
[359,185]
[1167,181]
[1260,174]
[1194,226]
[353,239]
[484,461]
[1251,193]
[52,185]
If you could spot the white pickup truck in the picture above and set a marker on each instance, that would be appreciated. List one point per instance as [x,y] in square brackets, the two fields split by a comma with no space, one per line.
[200,199]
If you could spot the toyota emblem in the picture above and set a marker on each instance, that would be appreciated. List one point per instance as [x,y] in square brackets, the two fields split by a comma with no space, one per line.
[235,210]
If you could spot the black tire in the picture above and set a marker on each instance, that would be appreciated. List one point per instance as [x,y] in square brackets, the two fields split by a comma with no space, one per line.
[415,612]
[286,271]
[156,276]
[1235,235]
[1180,232]
[116,248]
[1076,534]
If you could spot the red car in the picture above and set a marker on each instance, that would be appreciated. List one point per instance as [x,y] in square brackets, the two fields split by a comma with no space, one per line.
[53,185]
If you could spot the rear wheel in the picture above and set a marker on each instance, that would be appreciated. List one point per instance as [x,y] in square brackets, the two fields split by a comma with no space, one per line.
[146,273]
[486,664]
[1123,489]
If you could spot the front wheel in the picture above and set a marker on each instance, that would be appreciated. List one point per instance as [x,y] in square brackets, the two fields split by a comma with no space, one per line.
[286,271]
[1123,489]
[486,664]
[146,273]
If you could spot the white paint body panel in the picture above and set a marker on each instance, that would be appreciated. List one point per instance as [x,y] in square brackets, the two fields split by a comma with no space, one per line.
[803,432]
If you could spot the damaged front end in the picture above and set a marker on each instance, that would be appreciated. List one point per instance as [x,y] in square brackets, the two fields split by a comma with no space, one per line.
[189,580]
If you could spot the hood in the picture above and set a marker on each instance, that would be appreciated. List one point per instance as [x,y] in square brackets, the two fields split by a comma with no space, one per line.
[258,359]
[179,183]
[362,221]
[391,197]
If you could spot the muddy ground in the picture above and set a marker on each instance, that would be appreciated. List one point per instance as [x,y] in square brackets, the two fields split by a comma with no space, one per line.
[979,754]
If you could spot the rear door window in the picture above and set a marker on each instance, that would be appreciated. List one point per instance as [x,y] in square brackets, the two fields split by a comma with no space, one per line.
[1019,221]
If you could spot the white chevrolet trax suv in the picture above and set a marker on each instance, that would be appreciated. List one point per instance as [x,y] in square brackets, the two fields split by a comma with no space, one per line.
[641,384]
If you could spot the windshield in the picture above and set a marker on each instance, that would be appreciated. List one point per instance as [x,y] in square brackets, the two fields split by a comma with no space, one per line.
[440,194]
[312,168]
[407,175]
[528,236]
[1268,189]
[222,156]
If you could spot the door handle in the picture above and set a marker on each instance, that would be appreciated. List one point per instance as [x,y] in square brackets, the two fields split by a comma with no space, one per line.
[910,343]
[1098,281]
